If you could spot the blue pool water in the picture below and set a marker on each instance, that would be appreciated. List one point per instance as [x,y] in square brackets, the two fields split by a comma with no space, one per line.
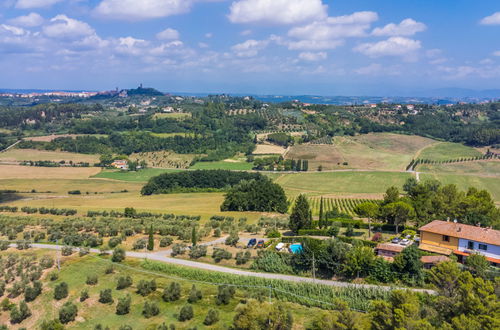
[296,248]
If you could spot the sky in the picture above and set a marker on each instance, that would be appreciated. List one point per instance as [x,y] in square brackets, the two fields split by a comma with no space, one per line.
[317,47]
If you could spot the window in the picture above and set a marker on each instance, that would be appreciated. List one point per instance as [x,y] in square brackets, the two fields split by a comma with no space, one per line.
[470,245]
[446,238]
[483,247]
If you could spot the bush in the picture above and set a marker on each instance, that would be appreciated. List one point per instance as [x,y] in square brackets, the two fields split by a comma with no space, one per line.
[68,312]
[178,248]
[198,251]
[172,292]
[150,309]
[105,296]
[84,295]
[67,250]
[83,251]
[92,279]
[52,325]
[118,255]
[273,234]
[74,192]
[186,313]
[194,295]
[109,270]
[166,241]
[273,262]
[212,317]
[242,257]
[139,244]
[124,282]
[17,315]
[224,294]
[144,287]
[53,276]
[114,242]
[61,291]
[31,293]
[220,254]
[123,306]
[233,238]
[46,262]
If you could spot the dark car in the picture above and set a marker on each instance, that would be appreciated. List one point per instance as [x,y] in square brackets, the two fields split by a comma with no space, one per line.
[251,243]
[396,240]
[260,244]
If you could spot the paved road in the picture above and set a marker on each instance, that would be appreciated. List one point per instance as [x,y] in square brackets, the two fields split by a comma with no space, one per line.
[199,265]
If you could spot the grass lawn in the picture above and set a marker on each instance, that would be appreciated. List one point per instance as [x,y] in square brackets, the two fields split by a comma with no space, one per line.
[138,176]
[56,156]
[341,183]
[448,150]
[222,165]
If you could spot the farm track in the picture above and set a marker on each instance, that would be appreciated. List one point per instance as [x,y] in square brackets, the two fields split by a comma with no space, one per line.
[214,268]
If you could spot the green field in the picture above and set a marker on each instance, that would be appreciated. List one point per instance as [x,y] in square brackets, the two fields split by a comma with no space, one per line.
[341,183]
[173,115]
[164,135]
[447,150]
[480,168]
[223,165]
[138,176]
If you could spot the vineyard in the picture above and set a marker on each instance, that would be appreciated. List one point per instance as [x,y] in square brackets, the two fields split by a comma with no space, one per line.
[343,205]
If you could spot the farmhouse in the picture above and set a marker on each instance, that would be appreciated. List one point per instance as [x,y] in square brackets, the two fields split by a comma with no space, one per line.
[388,250]
[445,237]
[121,164]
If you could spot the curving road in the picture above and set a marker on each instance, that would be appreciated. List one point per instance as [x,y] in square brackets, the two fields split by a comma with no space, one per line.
[160,256]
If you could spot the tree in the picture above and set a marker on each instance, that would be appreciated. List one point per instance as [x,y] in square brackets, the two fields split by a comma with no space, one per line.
[320,222]
[368,210]
[391,195]
[359,261]
[263,316]
[186,313]
[123,282]
[68,312]
[105,296]
[398,213]
[151,239]
[477,265]
[194,239]
[123,306]
[212,317]
[150,309]
[172,292]
[198,251]
[233,238]
[144,287]
[118,255]
[84,295]
[408,264]
[299,218]
[194,295]
[52,325]
[17,315]
[61,291]
[224,294]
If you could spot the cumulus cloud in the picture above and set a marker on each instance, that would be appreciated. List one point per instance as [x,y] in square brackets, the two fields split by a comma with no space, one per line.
[168,34]
[28,4]
[312,57]
[63,27]
[282,12]
[312,44]
[141,10]
[497,53]
[394,46]
[407,27]
[30,20]
[249,48]
[492,19]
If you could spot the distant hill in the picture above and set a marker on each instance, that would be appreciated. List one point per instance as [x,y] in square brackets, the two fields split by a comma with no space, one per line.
[141,91]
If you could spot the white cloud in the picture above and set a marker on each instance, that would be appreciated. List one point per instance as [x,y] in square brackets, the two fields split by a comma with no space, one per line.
[249,48]
[497,53]
[492,19]
[141,10]
[246,32]
[371,69]
[394,46]
[277,11]
[209,35]
[30,20]
[407,27]
[203,45]
[312,57]
[63,27]
[313,44]
[131,46]
[17,31]
[27,4]
[168,34]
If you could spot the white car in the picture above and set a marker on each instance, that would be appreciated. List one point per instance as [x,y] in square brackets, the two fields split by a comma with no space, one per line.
[405,242]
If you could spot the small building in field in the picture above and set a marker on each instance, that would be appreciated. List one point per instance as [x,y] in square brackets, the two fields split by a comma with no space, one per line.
[445,237]
[121,164]
[388,250]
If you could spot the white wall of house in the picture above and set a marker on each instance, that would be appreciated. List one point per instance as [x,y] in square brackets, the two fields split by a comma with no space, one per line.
[492,251]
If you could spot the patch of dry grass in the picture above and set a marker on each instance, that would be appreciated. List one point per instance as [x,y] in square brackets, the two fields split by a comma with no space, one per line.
[14,155]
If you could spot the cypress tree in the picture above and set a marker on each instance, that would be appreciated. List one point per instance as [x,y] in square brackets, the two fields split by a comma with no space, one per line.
[194,239]
[151,240]
[300,216]
[299,165]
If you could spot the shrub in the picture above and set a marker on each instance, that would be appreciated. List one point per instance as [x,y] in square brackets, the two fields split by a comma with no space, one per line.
[186,313]
[166,241]
[17,315]
[220,254]
[194,295]
[53,276]
[61,291]
[118,255]
[124,282]
[92,279]
[198,251]
[67,250]
[46,262]
[242,257]
[52,325]
[150,309]
[68,312]
[212,317]
[114,242]
[109,269]
[84,295]
[83,251]
[377,237]
[31,293]
[273,234]
[178,248]
[224,294]
[144,287]
[139,244]
[123,306]
[233,238]
[74,192]
[105,296]
[172,292]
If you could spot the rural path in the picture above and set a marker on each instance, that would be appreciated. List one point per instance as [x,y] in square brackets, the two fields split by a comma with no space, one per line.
[168,253]
[220,269]
[11,146]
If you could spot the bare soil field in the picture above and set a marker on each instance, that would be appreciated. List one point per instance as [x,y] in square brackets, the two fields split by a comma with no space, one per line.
[32,172]
[16,155]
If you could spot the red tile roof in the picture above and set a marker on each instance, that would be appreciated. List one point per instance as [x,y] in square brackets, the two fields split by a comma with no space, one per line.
[460,230]
[390,247]
[434,259]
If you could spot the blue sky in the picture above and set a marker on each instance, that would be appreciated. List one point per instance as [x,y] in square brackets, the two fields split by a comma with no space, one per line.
[340,47]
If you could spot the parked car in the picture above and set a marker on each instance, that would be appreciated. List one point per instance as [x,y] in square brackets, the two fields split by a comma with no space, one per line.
[251,243]
[405,242]
[396,240]
[260,244]
[280,246]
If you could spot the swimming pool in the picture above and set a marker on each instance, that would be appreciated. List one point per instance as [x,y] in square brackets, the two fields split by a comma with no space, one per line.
[296,248]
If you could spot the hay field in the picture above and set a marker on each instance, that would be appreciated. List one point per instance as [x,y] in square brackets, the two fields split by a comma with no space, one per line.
[269,149]
[14,155]
[139,176]
[448,150]
[32,172]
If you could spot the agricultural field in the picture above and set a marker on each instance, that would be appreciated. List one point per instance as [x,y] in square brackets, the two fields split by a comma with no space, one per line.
[484,168]
[344,205]
[349,184]
[269,149]
[447,150]
[48,138]
[173,115]
[32,172]
[228,164]
[138,176]
[19,155]
[164,159]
